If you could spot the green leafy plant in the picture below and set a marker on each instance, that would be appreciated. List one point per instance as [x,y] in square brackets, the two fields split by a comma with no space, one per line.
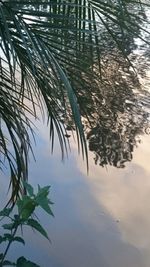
[26,206]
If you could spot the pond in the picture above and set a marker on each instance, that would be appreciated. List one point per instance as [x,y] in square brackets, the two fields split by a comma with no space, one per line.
[101,217]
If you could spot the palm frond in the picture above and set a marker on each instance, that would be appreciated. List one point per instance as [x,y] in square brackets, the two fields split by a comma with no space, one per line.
[51,54]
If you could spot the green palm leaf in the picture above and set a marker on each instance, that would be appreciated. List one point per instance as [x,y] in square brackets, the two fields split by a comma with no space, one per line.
[51,54]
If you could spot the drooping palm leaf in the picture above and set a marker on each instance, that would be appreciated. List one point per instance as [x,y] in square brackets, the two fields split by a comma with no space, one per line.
[51,53]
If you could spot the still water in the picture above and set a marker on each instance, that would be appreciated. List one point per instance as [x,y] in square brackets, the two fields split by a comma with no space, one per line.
[101,219]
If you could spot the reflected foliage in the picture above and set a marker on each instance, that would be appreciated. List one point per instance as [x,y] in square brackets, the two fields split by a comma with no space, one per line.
[116,112]
[114,107]
[116,131]
[120,116]
[66,59]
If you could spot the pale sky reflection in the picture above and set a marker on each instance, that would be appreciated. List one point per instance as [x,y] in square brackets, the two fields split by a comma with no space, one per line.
[112,204]
[125,194]
[101,220]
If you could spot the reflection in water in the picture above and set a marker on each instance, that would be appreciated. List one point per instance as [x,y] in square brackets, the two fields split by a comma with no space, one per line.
[116,112]
[114,133]
[101,220]
[125,194]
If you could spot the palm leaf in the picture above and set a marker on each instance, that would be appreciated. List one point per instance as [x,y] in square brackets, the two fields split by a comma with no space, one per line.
[51,54]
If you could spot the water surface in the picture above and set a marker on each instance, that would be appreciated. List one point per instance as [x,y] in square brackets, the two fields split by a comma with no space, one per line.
[101,219]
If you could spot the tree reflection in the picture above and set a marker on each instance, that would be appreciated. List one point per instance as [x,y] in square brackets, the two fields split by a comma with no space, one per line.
[118,121]
[112,114]
[115,113]
[115,134]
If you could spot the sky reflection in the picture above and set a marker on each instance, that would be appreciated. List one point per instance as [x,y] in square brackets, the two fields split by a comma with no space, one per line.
[101,220]
[125,194]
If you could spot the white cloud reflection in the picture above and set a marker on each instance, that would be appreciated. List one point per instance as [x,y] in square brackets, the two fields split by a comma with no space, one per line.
[125,194]
[101,220]
[123,216]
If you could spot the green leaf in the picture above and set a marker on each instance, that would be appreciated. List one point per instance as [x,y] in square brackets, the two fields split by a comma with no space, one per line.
[29,188]
[8,236]
[19,239]
[28,210]
[44,191]
[5,212]
[37,226]
[44,204]
[8,226]
[42,199]
[23,262]
[26,207]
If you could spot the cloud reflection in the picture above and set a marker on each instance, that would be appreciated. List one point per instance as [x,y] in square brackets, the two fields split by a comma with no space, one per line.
[101,220]
[125,194]
[106,213]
